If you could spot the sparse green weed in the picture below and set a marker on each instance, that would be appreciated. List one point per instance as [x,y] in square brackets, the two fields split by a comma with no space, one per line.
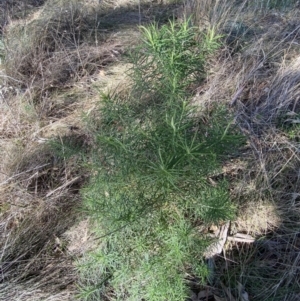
[290,124]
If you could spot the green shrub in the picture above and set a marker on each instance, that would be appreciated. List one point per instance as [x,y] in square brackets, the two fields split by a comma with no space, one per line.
[150,196]
[172,58]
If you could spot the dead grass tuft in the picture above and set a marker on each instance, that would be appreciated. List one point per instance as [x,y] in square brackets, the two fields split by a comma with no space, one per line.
[39,204]
[267,269]
[33,256]
[56,48]
[16,9]
[39,201]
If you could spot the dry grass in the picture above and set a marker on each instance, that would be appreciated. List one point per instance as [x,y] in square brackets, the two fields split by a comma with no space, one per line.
[38,204]
[16,9]
[259,79]
[57,48]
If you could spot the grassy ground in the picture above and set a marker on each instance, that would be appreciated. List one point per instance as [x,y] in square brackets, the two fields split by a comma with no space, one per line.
[56,56]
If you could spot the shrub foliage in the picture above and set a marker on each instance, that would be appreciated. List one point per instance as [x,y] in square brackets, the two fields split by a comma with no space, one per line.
[150,195]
